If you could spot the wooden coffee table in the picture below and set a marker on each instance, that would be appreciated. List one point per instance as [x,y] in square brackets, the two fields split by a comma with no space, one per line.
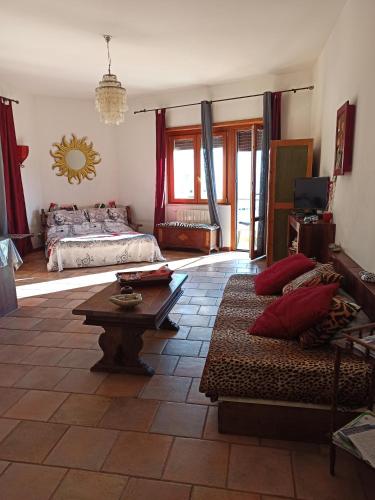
[122,341]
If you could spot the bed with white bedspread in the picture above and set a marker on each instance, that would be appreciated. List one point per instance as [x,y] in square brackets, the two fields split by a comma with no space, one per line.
[95,237]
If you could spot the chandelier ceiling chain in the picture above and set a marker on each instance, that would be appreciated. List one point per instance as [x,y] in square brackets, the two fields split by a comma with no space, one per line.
[110,96]
[107,38]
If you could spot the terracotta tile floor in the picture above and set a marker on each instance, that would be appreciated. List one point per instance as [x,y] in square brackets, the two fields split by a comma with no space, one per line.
[67,433]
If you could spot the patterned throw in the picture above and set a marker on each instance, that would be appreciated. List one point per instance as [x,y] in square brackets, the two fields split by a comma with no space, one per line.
[188,225]
[322,274]
[341,314]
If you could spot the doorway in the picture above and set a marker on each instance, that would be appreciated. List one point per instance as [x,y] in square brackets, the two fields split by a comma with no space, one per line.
[247,164]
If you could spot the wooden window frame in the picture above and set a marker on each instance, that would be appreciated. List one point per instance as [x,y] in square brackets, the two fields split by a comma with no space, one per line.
[230,130]
[195,134]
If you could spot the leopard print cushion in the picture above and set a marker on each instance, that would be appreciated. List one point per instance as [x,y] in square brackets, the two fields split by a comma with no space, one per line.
[243,365]
[341,314]
[321,274]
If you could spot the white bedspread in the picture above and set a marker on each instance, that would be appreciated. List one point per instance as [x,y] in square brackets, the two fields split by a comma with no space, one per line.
[105,249]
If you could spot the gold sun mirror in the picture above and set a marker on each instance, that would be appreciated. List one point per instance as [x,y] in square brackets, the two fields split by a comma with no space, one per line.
[75,159]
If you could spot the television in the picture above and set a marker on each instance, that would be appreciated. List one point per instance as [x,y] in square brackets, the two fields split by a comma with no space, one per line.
[311,193]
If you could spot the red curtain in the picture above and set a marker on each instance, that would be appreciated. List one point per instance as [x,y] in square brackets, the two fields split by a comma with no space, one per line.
[15,201]
[276,115]
[160,167]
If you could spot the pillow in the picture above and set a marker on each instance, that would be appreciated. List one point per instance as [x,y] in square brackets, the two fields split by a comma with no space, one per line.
[62,217]
[118,214]
[81,229]
[321,274]
[115,227]
[59,231]
[340,315]
[274,278]
[294,312]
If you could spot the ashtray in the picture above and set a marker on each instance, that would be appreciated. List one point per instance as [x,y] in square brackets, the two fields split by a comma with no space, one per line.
[126,301]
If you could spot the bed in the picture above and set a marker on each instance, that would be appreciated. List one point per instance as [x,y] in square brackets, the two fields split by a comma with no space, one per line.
[92,237]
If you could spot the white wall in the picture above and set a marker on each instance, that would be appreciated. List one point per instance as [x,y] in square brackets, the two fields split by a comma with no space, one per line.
[58,117]
[40,121]
[136,137]
[346,71]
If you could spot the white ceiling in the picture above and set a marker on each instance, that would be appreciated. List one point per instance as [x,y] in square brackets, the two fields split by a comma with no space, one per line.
[54,47]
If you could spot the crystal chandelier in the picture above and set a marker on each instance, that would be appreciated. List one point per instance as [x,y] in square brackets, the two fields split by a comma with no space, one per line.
[110,96]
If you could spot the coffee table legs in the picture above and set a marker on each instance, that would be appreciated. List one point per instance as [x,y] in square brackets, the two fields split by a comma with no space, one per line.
[121,348]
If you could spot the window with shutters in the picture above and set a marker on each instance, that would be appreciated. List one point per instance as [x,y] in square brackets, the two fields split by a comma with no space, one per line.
[237,154]
[186,174]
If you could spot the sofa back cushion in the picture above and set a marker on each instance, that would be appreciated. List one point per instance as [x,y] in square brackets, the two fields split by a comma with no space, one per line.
[274,278]
[295,312]
[322,274]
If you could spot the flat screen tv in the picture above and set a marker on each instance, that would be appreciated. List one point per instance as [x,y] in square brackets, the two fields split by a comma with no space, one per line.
[311,193]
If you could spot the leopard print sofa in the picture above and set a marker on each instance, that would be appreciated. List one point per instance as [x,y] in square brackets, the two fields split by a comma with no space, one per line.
[242,365]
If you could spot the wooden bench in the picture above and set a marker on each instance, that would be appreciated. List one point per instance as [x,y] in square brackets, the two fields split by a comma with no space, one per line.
[188,235]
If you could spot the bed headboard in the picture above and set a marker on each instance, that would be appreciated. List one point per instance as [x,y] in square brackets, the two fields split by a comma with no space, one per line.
[364,293]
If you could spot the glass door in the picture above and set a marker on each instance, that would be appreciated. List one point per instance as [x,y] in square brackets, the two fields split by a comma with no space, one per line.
[248,162]
[243,188]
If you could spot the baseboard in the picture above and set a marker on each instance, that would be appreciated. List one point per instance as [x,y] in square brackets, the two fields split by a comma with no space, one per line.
[225,249]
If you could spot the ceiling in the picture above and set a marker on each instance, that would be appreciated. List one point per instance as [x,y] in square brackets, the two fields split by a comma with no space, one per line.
[54,47]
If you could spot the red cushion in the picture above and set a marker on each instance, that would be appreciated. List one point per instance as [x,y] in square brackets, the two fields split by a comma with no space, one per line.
[295,312]
[274,278]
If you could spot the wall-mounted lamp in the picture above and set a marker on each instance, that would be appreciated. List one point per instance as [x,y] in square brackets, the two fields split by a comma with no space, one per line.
[22,153]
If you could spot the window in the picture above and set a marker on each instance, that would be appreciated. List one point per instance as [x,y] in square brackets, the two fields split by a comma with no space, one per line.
[237,158]
[186,174]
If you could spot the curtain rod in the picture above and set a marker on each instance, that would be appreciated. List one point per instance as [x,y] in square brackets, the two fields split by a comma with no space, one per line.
[310,87]
[9,99]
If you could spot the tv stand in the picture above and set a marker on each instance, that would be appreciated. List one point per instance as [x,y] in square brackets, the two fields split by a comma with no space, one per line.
[311,239]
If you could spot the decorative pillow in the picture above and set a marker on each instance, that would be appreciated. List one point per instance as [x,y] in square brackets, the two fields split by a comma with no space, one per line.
[331,277]
[108,214]
[340,315]
[96,227]
[59,231]
[81,229]
[115,227]
[274,278]
[294,312]
[62,217]
[321,274]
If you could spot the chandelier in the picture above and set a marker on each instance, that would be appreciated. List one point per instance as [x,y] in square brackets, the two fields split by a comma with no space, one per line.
[110,96]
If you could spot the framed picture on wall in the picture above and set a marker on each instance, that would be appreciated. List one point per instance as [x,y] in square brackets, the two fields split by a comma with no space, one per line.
[344,139]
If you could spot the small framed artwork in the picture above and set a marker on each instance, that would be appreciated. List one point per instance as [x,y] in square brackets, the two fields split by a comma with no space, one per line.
[344,139]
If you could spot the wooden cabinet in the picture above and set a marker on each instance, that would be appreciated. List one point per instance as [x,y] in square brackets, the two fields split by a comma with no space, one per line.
[310,239]
[288,160]
[184,237]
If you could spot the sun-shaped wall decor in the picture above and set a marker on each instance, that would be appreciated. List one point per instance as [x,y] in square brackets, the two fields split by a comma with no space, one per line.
[75,159]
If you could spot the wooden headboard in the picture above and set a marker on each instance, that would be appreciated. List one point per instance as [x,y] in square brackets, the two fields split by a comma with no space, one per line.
[364,293]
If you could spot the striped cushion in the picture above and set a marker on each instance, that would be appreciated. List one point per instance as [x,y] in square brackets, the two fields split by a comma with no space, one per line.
[321,274]
[188,225]
[341,314]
